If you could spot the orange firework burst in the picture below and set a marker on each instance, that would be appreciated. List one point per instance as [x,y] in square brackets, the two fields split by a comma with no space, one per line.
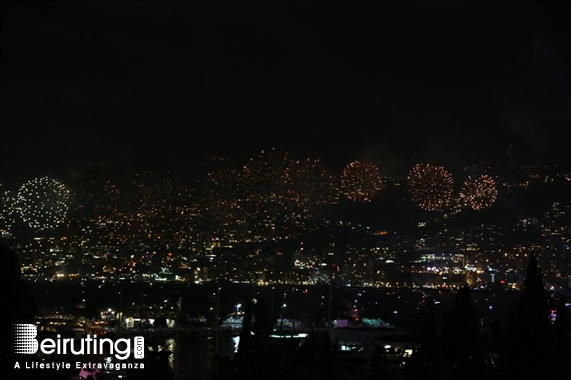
[361,181]
[479,192]
[430,186]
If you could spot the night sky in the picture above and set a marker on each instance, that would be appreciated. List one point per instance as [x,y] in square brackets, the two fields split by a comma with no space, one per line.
[158,85]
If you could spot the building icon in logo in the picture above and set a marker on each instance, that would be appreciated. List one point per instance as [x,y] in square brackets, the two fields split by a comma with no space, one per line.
[24,338]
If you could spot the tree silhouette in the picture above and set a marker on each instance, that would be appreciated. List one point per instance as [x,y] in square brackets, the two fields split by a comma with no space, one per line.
[461,339]
[263,325]
[243,356]
[498,338]
[430,360]
[263,362]
[529,333]
[381,367]
[259,357]
[316,358]
[533,308]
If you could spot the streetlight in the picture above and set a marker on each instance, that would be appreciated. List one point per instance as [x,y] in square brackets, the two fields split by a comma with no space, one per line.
[282,318]
[238,309]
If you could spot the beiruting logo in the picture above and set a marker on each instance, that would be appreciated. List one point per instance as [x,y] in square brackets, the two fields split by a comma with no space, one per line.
[25,342]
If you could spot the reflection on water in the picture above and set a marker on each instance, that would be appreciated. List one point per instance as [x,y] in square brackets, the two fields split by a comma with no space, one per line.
[236,341]
[197,356]
[171,347]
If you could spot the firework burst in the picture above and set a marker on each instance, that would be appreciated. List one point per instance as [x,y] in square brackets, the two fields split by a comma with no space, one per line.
[361,181]
[43,203]
[479,192]
[430,186]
